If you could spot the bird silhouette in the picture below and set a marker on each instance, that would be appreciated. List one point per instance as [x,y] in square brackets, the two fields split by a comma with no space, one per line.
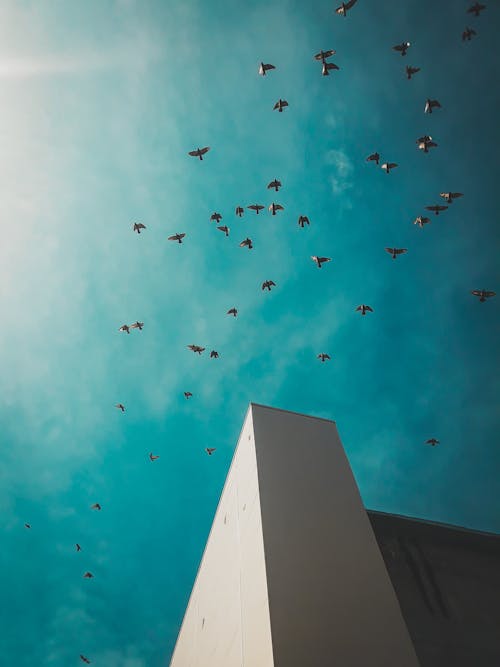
[138,226]
[450,196]
[274,184]
[88,575]
[196,348]
[137,325]
[325,70]
[153,457]
[188,394]
[320,260]
[124,327]
[483,294]
[280,105]
[476,9]
[402,48]
[265,67]
[232,311]
[267,284]
[323,356]
[303,220]
[78,547]
[344,7]
[96,506]
[217,217]
[436,208]
[246,242]
[225,229]
[467,34]
[430,105]
[432,441]
[210,450]
[396,251]
[177,237]
[374,157]
[256,208]
[120,406]
[239,211]
[363,309]
[410,71]
[199,152]
[421,221]
[387,166]
[275,207]
[214,354]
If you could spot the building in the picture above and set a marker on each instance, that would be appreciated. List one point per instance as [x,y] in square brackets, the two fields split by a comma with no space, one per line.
[296,573]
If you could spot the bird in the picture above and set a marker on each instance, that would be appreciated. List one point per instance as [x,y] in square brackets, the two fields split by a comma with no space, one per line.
[450,196]
[374,157]
[323,356]
[188,394]
[88,575]
[387,166]
[402,48]
[78,547]
[320,260]
[364,309]
[256,208]
[84,659]
[124,327]
[210,450]
[396,251]
[246,242]
[199,152]
[216,216]
[214,354]
[436,208]
[430,105]
[323,55]
[467,34]
[137,325]
[410,71]
[265,67]
[138,226]
[476,9]
[196,348]
[344,7]
[225,229]
[267,284]
[421,221]
[95,506]
[280,105]
[232,311]
[153,457]
[432,442]
[483,294]
[425,142]
[303,220]
[239,211]
[274,184]
[27,525]
[177,237]
[275,207]
[120,406]
[325,70]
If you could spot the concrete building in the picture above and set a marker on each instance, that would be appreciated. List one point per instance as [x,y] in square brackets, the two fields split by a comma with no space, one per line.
[296,573]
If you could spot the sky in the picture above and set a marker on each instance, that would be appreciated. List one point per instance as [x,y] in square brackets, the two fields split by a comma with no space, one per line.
[100,103]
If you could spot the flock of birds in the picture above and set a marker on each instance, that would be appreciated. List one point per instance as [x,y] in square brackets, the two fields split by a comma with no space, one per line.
[424,143]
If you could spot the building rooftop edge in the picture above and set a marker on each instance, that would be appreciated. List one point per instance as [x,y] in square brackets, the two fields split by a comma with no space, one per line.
[437,524]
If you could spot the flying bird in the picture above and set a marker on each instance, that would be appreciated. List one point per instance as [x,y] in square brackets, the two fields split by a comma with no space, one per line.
[120,406]
[325,70]
[210,450]
[267,284]
[216,216]
[199,152]
[256,208]
[410,71]
[275,207]
[421,221]
[323,55]
[153,457]
[425,142]
[364,309]
[303,220]
[246,242]
[483,294]
[265,67]
[430,105]
[344,7]
[467,34]
[239,211]
[177,237]
[78,547]
[323,356]
[232,311]
[214,354]
[88,575]
[274,184]
[225,229]
[124,327]
[387,166]
[196,348]
[374,157]
[450,196]
[188,394]
[436,208]
[476,9]
[137,325]
[432,442]
[95,506]
[402,48]
[396,251]
[27,525]
[280,105]
[138,226]
[84,659]
[320,260]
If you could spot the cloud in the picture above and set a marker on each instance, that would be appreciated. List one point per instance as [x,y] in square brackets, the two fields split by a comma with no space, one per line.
[340,180]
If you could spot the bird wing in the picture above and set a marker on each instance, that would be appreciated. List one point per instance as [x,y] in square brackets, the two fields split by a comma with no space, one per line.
[369,308]
[456,194]
[279,207]
[389,250]
[400,251]
[276,106]
[284,103]
[489,293]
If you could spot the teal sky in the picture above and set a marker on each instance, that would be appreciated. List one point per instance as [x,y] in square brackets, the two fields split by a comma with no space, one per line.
[100,103]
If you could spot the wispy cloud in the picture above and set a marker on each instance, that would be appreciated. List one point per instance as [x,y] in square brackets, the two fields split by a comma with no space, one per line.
[340,179]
